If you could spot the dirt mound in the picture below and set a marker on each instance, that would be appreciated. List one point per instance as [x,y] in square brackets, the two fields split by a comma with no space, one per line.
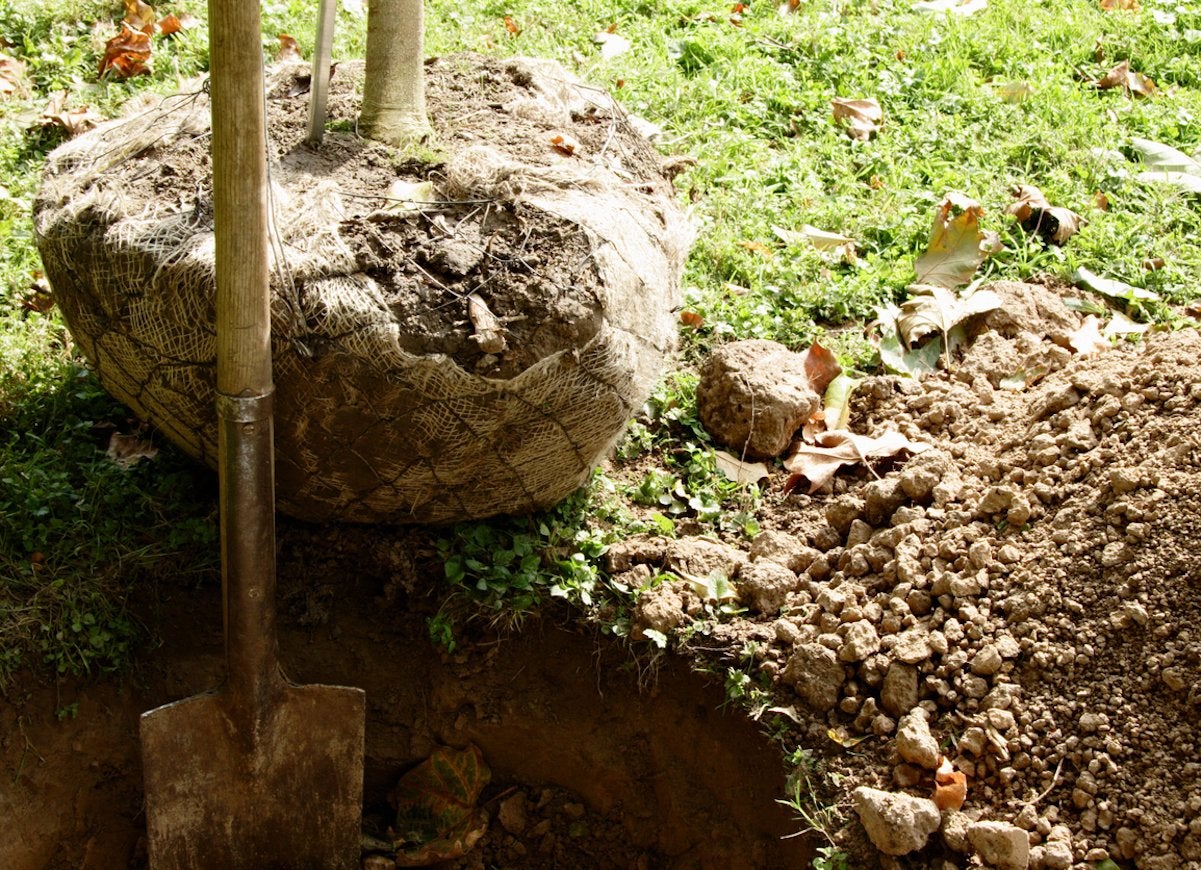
[1029,581]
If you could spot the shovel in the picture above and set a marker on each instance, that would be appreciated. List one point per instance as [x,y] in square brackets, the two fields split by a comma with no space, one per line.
[260,772]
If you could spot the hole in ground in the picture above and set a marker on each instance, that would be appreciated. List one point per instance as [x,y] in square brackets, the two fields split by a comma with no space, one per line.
[605,774]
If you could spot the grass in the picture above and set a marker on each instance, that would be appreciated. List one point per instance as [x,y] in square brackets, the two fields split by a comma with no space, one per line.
[750,101]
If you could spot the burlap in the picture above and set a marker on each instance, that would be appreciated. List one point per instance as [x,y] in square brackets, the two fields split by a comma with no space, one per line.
[365,431]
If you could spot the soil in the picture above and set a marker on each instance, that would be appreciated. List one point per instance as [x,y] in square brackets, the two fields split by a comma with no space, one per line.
[1030,582]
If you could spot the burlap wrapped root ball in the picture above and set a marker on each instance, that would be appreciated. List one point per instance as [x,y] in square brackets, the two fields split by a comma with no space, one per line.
[454,337]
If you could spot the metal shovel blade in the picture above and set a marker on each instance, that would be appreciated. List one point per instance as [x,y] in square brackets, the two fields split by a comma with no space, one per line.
[290,798]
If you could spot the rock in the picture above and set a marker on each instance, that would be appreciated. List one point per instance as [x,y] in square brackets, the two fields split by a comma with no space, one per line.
[897,824]
[1057,850]
[512,814]
[859,642]
[783,549]
[700,557]
[954,830]
[913,646]
[814,672]
[658,609]
[754,395]
[765,585]
[1004,846]
[987,661]
[915,743]
[899,693]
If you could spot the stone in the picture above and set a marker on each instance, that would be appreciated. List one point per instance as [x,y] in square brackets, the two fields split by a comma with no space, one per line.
[814,672]
[897,824]
[765,586]
[954,830]
[1057,850]
[915,743]
[987,661]
[899,693]
[784,549]
[512,814]
[1000,844]
[913,646]
[860,641]
[754,395]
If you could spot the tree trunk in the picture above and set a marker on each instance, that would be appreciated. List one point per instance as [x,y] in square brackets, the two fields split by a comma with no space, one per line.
[394,91]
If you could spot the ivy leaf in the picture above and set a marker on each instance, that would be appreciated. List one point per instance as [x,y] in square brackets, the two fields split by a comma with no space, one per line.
[957,245]
[436,816]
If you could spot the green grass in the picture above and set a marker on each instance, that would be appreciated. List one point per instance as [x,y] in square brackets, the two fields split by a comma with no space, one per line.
[751,104]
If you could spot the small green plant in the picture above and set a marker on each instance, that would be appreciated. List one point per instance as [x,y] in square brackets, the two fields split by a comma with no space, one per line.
[819,815]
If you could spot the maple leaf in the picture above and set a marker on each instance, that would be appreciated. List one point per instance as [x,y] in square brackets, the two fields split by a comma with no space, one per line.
[861,118]
[957,245]
[818,463]
[126,54]
[1121,76]
[1054,224]
[933,309]
[139,16]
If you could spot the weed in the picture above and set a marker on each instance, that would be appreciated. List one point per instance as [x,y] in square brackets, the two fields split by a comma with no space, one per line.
[807,800]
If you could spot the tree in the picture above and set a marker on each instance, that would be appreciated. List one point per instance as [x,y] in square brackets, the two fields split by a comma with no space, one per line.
[393,109]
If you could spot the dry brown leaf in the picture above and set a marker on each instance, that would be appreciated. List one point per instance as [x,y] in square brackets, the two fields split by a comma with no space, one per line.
[1121,76]
[691,318]
[1101,201]
[125,450]
[512,26]
[1054,224]
[1120,5]
[821,367]
[172,23]
[862,118]
[836,448]
[738,470]
[38,297]
[126,55]
[1088,338]
[758,248]
[140,16]
[564,144]
[489,333]
[12,77]
[289,50]
[950,786]
[74,121]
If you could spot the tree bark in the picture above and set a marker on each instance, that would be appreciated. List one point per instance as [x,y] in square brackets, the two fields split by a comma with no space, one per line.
[393,109]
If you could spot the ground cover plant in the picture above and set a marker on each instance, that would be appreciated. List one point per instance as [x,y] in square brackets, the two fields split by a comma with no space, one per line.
[814,145]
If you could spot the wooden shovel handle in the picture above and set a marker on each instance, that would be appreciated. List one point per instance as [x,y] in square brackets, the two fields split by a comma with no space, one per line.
[244,383]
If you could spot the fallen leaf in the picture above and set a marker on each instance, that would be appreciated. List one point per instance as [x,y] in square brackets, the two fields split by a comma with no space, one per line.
[1088,338]
[436,814]
[140,16]
[126,55]
[861,118]
[790,712]
[564,144]
[1185,182]
[1154,264]
[821,367]
[1120,324]
[289,50]
[73,121]
[1024,378]
[357,8]
[894,355]
[843,738]
[171,24]
[788,7]
[1053,224]
[957,245]
[836,448]
[950,786]
[836,403]
[738,470]
[691,318]
[758,248]
[512,26]
[1156,155]
[957,7]
[125,450]
[1100,201]
[936,310]
[1120,5]
[612,44]
[1132,82]
[1014,92]
[38,297]
[12,77]
[1112,288]
[820,239]
[408,196]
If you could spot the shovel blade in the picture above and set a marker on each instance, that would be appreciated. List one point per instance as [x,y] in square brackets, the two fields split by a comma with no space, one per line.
[290,797]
